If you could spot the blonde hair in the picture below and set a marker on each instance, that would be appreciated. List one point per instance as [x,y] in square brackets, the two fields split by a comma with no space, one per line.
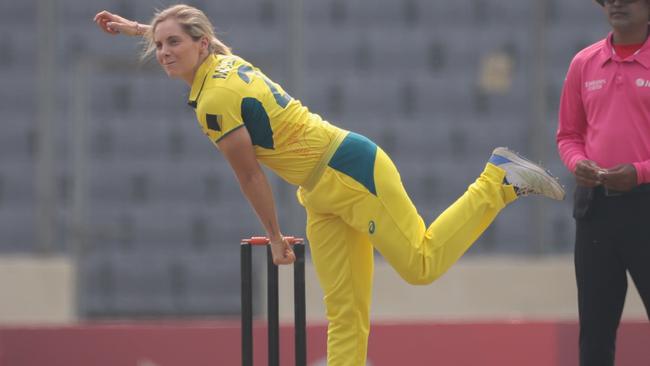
[193,21]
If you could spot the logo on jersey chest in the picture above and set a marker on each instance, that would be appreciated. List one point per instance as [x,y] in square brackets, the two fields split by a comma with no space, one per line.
[642,83]
[592,85]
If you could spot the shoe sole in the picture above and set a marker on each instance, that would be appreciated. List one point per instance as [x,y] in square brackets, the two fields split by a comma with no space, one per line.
[518,159]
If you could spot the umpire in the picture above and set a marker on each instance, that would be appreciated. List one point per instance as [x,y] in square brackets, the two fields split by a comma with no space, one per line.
[604,138]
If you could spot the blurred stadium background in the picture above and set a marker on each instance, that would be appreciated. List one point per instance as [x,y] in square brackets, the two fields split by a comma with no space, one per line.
[114,206]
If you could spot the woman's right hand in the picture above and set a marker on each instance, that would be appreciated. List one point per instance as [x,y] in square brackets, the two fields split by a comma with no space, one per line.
[282,251]
[115,24]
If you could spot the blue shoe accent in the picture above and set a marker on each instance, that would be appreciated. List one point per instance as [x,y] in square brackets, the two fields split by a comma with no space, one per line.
[498,160]
[525,176]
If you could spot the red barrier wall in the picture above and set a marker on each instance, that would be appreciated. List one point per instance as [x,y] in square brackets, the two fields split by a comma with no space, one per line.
[218,343]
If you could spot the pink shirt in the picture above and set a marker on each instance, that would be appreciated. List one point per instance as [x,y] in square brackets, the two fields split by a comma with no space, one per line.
[605,109]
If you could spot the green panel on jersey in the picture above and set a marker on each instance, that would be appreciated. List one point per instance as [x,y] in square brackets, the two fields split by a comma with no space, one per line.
[213,121]
[257,122]
[355,157]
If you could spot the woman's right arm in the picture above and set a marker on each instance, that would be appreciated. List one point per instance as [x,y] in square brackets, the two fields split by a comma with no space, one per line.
[238,150]
[115,24]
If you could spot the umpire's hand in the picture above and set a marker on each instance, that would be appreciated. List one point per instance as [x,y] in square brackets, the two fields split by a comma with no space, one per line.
[588,173]
[620,178]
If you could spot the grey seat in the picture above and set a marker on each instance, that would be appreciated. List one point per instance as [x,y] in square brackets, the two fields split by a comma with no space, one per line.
[317,95]
[383,13]
[567,39]
[145,139]
[186,137]
[109,227]
[97,285]
[207,281]
[329,13]
[161,226]
[18,56]
[576,12]
[17,234]
[81,13]
[18,183]
[334,52]
[461,12]
[155,96]
[373,97]
[22,12]
[449,95]
[269,53]
[15,96]
[423,137]
[18,139]
[144,284]
[109,95]
[133,284]
[92,42]
[194,181]
[514,14]
[434,182]
[160,283]
[514,231]
[118,181]
[399,51]
[226,14]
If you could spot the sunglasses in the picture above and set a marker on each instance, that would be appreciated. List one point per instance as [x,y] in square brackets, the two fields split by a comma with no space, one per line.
[622,2]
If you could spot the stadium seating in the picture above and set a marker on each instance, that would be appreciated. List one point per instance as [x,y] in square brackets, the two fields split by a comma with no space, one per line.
[16,225]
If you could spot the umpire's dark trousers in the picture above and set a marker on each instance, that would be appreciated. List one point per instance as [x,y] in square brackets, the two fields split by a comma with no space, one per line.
[612,239]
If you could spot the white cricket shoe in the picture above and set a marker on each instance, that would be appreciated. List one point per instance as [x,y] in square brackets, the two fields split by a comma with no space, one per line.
[526,176]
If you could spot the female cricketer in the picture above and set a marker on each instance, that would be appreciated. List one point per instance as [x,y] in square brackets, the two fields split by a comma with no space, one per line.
[351,190]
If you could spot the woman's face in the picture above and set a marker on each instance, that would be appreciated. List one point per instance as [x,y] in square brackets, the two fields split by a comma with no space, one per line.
[177,53]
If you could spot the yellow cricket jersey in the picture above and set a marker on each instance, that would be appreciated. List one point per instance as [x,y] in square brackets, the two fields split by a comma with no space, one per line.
[229,93]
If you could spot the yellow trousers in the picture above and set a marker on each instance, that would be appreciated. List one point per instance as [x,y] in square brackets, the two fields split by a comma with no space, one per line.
[350,211]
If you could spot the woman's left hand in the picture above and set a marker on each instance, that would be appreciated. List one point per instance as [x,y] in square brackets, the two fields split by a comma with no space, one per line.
[282,252]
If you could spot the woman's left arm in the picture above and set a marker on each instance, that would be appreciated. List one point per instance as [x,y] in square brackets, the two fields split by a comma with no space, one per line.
[238,150]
